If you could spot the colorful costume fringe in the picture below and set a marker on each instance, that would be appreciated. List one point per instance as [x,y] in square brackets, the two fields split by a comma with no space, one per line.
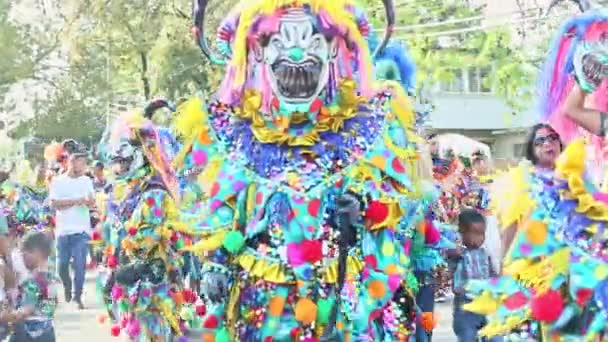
[555,271]
[279,263]
[142,282]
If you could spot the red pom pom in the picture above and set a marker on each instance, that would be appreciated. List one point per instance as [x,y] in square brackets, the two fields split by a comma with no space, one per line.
[96,236]
[547,307]
[132,231]
[312,250]
[295,333]
[211,323]
[583,295]
[376,212]
[115,331]
[515,301]
[431,234]
[201,310]
[112,262]
[174,237]
[268,339]
[189,296]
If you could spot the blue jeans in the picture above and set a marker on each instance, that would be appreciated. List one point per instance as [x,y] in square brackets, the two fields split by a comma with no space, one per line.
[466,324]
[76,247]
[425,299]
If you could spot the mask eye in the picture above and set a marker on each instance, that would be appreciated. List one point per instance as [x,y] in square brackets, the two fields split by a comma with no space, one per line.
[276,42]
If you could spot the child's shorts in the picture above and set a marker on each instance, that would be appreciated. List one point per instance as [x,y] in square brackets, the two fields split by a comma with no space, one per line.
[33,331]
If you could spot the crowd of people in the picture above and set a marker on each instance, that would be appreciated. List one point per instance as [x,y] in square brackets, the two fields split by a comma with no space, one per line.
[305,202]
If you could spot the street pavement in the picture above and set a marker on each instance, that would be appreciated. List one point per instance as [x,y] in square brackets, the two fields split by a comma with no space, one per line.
[73,325]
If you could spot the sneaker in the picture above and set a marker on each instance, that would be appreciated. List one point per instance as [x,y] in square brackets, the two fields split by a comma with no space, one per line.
[68,295]
[80,304]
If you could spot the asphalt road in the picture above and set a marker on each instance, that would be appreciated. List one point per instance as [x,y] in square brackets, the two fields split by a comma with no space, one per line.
[73,325]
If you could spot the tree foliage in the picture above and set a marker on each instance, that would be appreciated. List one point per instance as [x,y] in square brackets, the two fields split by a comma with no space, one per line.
[464,41]
[132,50]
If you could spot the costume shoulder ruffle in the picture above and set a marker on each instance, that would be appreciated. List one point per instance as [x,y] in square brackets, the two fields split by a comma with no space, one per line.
[510,195]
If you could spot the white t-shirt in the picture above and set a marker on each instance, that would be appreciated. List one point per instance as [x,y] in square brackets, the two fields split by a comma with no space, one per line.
[493,244]
[76,219]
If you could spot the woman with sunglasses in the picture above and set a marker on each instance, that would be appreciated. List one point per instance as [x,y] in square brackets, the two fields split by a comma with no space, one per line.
[542,148]
[521,199]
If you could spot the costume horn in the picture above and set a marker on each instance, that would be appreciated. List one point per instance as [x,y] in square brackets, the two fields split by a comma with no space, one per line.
[198,14]
[583,5]
[389,7]
[153,106]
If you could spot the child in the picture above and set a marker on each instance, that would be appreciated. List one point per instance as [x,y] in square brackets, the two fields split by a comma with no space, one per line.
[468,262]
[37,289]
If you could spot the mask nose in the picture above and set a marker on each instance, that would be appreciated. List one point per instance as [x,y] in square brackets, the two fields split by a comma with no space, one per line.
[296,54]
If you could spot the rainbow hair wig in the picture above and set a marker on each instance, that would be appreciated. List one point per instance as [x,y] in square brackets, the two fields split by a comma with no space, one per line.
[557,78]
[254,19]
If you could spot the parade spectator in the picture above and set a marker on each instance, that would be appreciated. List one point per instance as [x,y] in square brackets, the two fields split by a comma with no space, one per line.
[29,263]
[543,146]
[72,195]
[470,261]
[99,179]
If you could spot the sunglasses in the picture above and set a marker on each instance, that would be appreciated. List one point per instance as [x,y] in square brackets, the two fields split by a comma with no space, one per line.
[551,138]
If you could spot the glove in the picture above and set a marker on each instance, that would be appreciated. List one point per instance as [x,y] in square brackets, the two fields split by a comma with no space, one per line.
[214,286]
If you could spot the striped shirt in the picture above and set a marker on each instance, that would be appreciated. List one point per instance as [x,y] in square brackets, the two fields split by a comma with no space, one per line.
[473,264]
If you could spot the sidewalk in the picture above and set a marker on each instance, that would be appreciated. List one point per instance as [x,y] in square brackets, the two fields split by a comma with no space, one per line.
[73,325]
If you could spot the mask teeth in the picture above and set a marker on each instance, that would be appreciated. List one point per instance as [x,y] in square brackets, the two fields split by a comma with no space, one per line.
[294,12]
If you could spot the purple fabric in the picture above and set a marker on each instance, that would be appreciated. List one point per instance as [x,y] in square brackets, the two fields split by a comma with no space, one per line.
[269,160]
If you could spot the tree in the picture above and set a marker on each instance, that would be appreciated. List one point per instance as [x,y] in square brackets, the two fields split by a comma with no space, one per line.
[130,50]
[441,51]
[26,49]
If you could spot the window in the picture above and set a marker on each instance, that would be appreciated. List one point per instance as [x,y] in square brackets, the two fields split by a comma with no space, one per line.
[479,80]
[471,81]
[519,150]
[456,85]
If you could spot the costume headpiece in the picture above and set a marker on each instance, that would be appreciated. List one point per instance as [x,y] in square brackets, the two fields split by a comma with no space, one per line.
[242,31]
[137,140]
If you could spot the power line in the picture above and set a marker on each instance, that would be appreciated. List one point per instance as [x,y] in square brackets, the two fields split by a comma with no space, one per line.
[470,29]
[459,20]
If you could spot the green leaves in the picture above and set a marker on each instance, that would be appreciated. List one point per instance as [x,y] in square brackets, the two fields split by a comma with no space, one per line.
[459,42]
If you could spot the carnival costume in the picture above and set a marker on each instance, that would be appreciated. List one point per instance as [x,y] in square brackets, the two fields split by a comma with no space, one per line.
[290,154]
[555,275]
[143,281]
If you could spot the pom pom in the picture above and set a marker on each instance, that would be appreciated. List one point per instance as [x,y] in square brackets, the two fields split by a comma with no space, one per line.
[211,322]
[186,313]
[102,318]
[117,292]
[201,310]
[96,236]
[222,335]
[234,241]
[134,329]
[178,298]
[428,321]
[324,310]
[174,237]
[112,262]
[431,234]
[189,296]
[547,307]
[146,292]
[376,212]
[306,311]
[115,331]
[295,333]
[132,231]
[312,250]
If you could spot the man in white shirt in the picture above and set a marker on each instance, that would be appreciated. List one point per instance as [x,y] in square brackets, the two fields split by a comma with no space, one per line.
[71,195]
